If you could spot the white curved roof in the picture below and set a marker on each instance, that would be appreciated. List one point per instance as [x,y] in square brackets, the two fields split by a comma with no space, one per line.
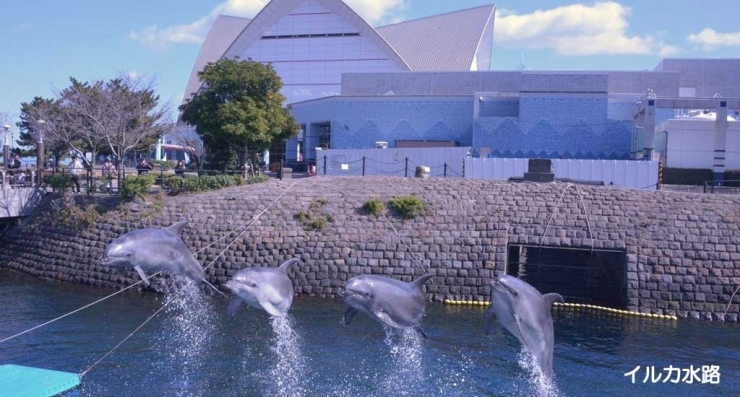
[222,33]
[455,41]
[445,42]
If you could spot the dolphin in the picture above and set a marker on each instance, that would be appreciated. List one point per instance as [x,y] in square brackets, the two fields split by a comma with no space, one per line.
[263,288]
[394,303]
[524,312]
[155,250]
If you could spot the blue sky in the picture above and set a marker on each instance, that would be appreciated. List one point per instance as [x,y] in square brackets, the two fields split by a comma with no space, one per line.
[44,42]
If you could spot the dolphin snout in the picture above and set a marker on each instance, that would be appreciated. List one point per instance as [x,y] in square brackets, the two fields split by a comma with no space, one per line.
[342,291]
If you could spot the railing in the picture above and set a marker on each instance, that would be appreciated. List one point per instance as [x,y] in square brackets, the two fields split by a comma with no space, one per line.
[92,181]
[405,167]
[720,187]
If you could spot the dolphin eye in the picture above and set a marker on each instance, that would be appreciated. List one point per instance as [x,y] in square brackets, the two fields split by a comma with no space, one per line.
[253,285]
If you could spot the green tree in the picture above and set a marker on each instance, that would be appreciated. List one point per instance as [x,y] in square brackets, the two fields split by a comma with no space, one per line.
[41,116]
[238,112]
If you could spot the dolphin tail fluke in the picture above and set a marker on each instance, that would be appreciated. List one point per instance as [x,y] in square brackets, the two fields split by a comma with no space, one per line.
[214,288]
[488,319]
[421,280]
[287,264]
[176,228]
[552,298]
[351,312]
[421,332]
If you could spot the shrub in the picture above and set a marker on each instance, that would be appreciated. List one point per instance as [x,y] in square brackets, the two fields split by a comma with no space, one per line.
[303,217]
[59,182]
[373,207]
[136,186]
[407,206]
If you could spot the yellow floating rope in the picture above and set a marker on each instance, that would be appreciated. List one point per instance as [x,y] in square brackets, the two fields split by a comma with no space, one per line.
[574,305]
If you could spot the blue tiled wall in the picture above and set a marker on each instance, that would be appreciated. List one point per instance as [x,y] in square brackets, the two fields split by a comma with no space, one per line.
[359,124]
[556,126]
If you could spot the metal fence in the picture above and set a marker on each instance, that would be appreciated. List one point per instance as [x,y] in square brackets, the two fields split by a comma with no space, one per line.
[402,162]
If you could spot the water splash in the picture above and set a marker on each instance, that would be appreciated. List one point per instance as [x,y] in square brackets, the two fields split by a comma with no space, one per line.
[287,374]
[191,324]
[405,374]
[537,383]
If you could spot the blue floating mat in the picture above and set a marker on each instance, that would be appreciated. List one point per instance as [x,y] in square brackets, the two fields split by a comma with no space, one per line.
[20,381]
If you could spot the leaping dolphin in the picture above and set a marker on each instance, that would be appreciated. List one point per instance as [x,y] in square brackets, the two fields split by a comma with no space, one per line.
[155,250]
[526,313]
[394,303]
[263,288]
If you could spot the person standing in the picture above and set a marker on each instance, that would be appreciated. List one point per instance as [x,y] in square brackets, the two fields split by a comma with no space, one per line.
[108,172]
[75,169]
[143,167]
[17,175]
[180,168]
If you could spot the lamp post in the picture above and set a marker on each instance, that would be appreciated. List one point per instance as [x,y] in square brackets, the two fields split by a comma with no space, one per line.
[40,153]
[6,148]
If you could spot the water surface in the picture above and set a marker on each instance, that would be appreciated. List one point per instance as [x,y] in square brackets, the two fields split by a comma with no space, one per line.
[192,349]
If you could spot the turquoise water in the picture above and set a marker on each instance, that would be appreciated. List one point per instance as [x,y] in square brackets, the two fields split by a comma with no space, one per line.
[192,349]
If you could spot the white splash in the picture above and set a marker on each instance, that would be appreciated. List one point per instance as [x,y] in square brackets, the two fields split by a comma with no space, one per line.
[405,375]
[538,384]
[191,321]
[287,374]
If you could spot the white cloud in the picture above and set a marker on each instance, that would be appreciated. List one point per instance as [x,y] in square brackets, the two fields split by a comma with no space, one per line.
[194,32]
[577,29]
[709,38]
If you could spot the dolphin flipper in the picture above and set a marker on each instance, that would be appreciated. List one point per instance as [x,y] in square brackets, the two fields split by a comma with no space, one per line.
[176,228]
[488,318]
[233,305]
[348,315]
[142,275]
[386,319]
[287,264]
[271,309]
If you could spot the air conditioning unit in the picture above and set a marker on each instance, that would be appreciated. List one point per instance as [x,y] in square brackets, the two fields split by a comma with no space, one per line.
[381,145]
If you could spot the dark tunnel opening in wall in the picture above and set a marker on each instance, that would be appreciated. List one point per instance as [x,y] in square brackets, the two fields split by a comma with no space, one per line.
[597,277]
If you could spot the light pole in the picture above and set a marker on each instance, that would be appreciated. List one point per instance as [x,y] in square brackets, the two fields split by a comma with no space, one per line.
[6,148]
[40,153]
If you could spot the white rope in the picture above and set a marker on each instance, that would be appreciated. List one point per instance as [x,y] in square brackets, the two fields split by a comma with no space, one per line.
[415,255]
[75,311]
[553,212]
[254,219]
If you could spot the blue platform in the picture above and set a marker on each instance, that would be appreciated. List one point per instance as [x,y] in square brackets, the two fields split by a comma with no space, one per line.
[20,381]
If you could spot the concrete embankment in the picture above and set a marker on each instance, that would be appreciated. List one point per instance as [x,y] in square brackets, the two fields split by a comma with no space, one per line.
[657,252]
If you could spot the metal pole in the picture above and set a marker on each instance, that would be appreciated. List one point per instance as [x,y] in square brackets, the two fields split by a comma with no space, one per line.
[324,165]
[363,165]
[40,160]
[6,148]
[406,171]
[445,174]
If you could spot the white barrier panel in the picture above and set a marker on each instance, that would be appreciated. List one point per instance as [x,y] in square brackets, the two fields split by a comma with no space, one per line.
[626,173]
[391,162]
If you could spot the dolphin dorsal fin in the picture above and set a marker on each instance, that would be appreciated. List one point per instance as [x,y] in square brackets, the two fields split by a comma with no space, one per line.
[287,264]
[549,299]
[419,282]
[176,228]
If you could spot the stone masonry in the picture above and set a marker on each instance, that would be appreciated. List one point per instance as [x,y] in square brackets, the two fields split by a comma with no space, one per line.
[681,248]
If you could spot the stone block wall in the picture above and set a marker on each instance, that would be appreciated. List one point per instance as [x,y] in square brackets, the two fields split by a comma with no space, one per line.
[681,248]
